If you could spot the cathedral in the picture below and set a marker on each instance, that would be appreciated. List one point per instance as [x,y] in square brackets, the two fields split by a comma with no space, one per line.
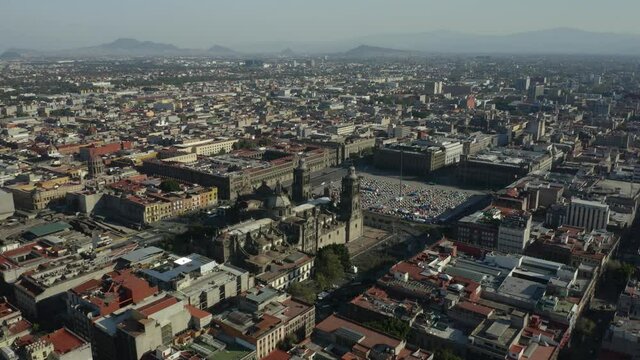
[291,222]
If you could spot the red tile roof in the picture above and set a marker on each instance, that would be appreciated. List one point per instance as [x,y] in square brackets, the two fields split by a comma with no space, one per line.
[197,313]
[157,305]
[19,326]
[542,353]
[333,323]
[64,341]
[476,308]
[277,354]
[7,309]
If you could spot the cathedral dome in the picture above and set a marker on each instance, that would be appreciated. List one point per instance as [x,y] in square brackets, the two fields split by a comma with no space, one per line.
[278,200]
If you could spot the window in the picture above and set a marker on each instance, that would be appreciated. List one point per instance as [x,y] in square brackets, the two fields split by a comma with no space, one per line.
[238,284]
[167,335]
[203,300]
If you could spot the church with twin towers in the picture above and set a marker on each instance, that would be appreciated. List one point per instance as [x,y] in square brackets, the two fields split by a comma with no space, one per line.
[276,218]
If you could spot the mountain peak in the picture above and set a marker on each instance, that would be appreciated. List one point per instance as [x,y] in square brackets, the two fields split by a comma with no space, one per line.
[10,55]
[287,52]
[221,50]
[374,51]
[134,44]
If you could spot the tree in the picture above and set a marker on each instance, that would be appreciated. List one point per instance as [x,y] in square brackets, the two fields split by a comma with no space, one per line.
[244,144]
[265,141]
[585,327]
[330,267]
[288,342]
[620,272]
[391,326]
[419,114]
[321,281]
[446,354]
[169,186]
[302,291]
[341,251]
[62,112]
[626,271]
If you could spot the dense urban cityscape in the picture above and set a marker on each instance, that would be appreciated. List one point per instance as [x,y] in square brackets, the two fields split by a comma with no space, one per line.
[369,204]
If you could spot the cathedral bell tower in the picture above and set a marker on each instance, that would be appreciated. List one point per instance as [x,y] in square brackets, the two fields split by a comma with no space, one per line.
[350,206]
[301,187]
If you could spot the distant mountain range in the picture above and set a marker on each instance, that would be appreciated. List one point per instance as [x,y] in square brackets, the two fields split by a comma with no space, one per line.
[552,41]
[219,50]
[366,51]
[124,48]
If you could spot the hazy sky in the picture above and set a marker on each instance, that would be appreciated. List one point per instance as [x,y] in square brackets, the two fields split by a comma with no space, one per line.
[56,24]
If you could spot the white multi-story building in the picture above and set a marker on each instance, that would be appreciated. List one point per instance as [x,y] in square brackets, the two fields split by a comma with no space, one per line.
[453,151]
[588,214]
[7,207]
[342,129]
[208,147]
[636,173]
[514,233]
[433,87]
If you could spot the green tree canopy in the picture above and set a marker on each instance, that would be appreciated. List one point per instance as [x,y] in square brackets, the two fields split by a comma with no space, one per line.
[302,291]
[341,251]
[288,342]
[585,326]
[446,354]
[244,144]
[391,326]
[169,186]
[62,112]
[265,141]
[330,267]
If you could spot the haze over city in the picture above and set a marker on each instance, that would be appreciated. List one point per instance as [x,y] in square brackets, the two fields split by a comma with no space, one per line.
[246,24]
[319,180]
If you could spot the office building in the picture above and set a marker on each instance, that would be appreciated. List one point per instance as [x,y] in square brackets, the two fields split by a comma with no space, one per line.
[591,215]
[196,279]
[523,84]
[622,338]
[433,87]
[132,332]
[263,317]
[7,208]
[61,344]
[514,232]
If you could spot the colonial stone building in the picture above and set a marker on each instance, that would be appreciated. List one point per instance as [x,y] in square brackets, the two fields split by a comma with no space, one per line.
[283,226]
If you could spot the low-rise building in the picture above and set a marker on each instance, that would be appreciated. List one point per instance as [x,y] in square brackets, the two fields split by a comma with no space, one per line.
[37,196]
[574,246]
[499,168]
[496,228]
[279,269]
[7,207]
[12,325]
[338,338]
[622,338]
[135,204]
[263,317]
[196,279]
[41,293]
[96,298]
[61,344]
[134,331]
[376,305]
